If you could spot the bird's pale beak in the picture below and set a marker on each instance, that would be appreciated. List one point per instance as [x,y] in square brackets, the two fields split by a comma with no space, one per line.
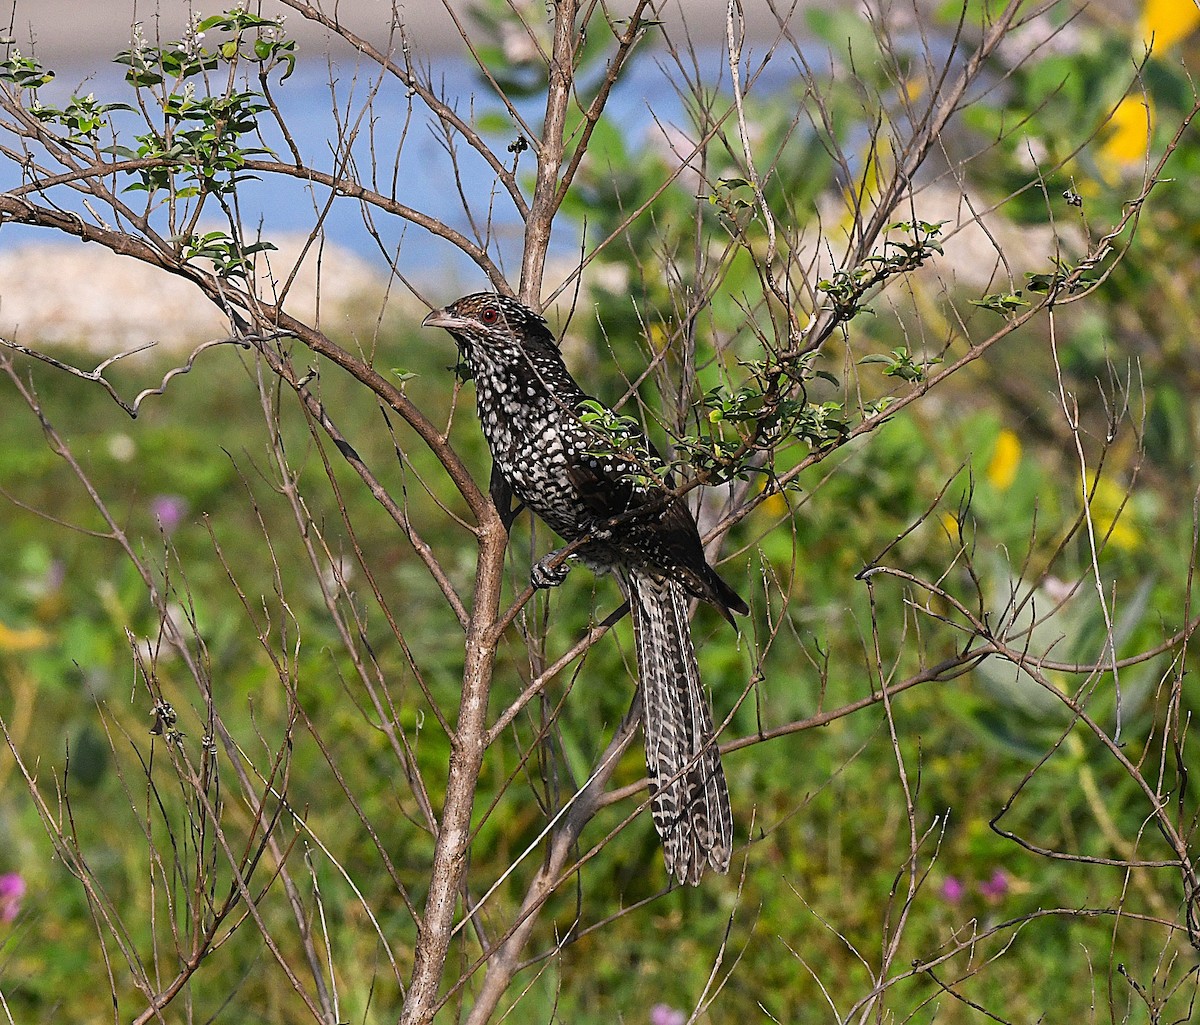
[441,318]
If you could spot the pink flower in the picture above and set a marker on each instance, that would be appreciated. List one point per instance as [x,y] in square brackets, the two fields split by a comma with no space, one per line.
[12,889]
[169,510]
[662,1014]
[952,890]
[995,889]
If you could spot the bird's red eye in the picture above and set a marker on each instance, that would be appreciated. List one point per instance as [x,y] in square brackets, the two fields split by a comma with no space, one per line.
[490,315]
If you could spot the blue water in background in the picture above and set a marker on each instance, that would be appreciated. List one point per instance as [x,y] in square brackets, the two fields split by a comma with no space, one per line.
[423,174]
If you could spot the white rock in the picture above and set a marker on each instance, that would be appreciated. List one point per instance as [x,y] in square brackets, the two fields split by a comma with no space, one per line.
[56,293]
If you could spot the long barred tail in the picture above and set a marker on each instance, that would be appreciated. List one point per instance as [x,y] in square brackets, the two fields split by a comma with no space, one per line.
[689,798]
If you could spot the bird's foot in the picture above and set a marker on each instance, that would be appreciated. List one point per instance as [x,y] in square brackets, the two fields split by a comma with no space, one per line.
[546,574]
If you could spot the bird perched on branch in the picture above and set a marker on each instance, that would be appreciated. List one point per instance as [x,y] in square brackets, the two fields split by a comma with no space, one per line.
[599,485]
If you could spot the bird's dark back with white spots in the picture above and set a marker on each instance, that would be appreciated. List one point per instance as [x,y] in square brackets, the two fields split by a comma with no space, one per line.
[568,472]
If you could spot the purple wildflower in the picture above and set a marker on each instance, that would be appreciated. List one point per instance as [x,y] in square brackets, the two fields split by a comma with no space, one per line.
[56,574]
[169,511]
[12,889]
[663,1014]
[995,889]
[952,889]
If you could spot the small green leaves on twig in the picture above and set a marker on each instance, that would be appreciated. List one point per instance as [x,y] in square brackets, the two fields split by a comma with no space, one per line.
[23,72]
[249,37]
[733,197]
[1046,282]
[900,363]
[198,148]
[925,235]
[1063,278]
[623,435]
[462,371]
[1001,302]
[203,144]
[619,432]
[848,289]
[230,259]
[739,425]
[82,117]
[268,48]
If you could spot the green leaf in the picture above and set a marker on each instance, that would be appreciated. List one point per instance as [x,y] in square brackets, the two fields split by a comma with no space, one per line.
[1043,283]
[1001,303]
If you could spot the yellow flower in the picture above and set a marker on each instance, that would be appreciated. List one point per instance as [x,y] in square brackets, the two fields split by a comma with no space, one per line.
[1005,461]
[1167,22]
[1108,517]
[776,506]
[658,337]
[913,88]
[1128,134]
[22,640]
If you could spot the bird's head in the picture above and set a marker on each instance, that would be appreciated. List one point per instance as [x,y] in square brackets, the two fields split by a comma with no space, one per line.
[488,326]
